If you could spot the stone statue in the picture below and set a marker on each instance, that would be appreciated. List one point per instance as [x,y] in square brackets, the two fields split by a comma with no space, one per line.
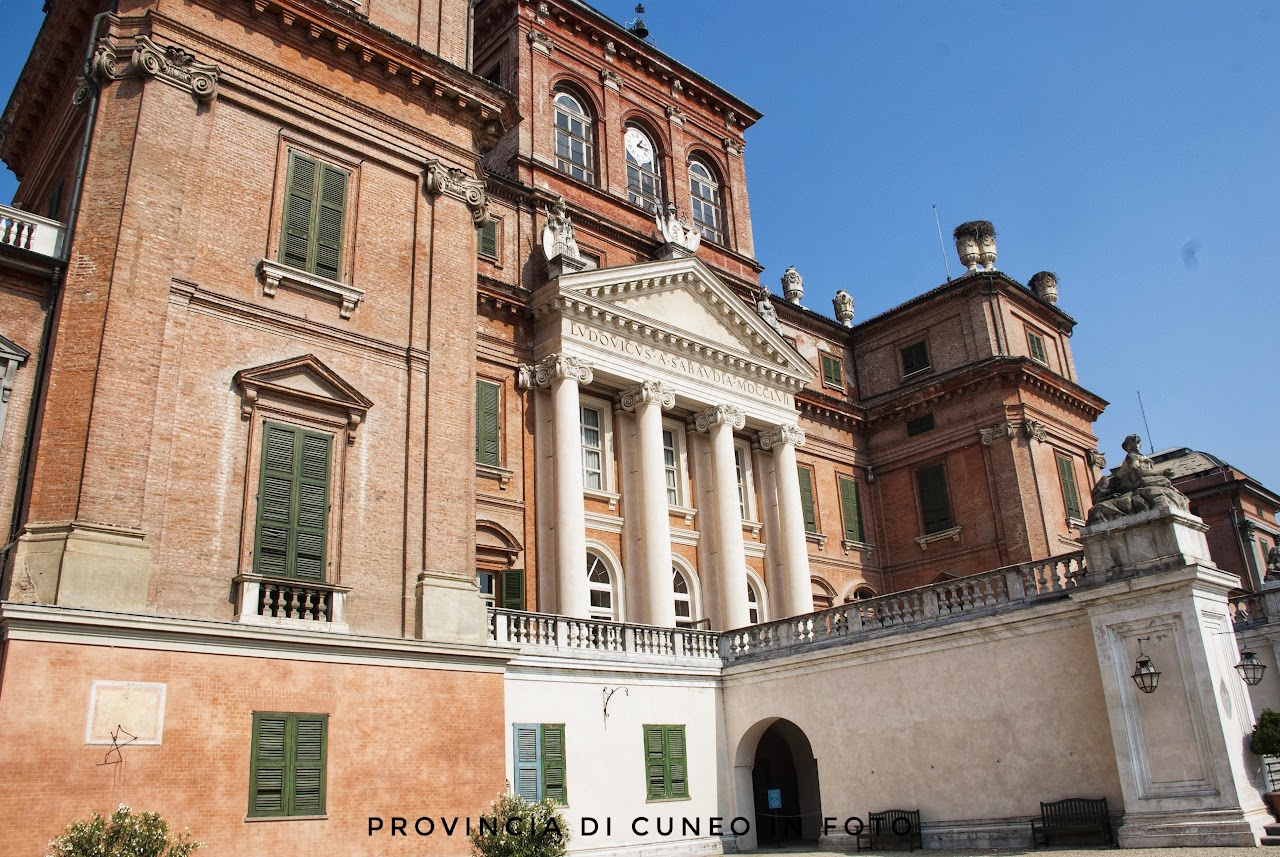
[1136,486]
[1273,562]
[792,285]
[764,308]
[676,231]
[557,235]
[844,308]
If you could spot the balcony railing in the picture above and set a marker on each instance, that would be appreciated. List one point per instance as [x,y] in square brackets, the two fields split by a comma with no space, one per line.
[565,634]
[28,231]
[964,596]
[1248,610]
[291,603]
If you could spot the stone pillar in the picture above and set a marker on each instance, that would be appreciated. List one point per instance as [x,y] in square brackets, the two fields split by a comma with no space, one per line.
[1181,750]
[797,597]
[657,596]
[730,567]
[562,375]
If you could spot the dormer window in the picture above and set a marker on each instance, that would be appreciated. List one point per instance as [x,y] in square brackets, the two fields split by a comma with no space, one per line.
[644,180]
[704,199]
[574,153]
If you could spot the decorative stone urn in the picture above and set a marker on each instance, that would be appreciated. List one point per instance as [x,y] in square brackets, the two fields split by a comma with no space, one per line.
[843,304]
[1045,286]
[976,244]
[792,285]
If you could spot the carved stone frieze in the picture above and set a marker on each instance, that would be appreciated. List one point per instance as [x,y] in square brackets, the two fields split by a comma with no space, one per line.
[647,391]
[1033,430]
[538,376]
[144,58]
[729,415]
[456,183]
[991,434]
[788,433]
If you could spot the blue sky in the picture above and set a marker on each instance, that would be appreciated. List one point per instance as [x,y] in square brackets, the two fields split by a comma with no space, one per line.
[1132,148]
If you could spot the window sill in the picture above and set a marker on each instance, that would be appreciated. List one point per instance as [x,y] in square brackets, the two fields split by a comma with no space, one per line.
[1074,523]
[830,386]
[608,496]
[667,799]
[753,527]
[850,545]
[816,538]
[492,471]
[683,511]
[941,535]
[253,819]
[274,275]
[916,374]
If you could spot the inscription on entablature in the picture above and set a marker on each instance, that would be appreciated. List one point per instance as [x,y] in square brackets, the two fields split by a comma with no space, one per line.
[679,364]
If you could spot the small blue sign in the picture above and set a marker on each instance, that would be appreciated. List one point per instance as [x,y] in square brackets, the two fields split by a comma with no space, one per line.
[775,798]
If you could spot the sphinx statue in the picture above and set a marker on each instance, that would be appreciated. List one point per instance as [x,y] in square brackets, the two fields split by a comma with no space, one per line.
[1136,486]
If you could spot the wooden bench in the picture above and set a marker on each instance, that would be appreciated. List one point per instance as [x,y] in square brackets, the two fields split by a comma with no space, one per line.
[892,828]
[1072,815]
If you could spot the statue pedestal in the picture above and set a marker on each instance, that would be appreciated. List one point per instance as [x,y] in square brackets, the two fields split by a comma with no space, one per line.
[561,264]
[672,250]
[1185,773]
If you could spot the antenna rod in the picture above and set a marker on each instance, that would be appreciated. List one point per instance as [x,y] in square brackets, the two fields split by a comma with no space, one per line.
[941,244]
[1151,446]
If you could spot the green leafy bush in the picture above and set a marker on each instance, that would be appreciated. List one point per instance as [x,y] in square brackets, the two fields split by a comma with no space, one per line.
[124,834]
[1266,734]
[514,827]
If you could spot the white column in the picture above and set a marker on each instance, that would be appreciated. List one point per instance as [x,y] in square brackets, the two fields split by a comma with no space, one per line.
[731,560]
[657,604]
[797,597]
[563,374]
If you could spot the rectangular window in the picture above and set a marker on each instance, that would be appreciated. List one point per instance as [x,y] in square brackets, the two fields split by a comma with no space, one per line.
[488,583]
[540,762]
[919,425]
[488,400]
[851,509]
[1035,344]
[1070,496]
[934,505]
[487,240]
[513,589]
[832,372]
[293,503]
[915,358]
[592,449]
[666,764]
[740,472]
[806,499]
[314,216]
[287,769]
[670,466]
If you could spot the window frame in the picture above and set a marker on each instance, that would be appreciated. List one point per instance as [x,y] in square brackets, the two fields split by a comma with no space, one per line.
[1034,339]
[497,424]
[1066,466]
[652,203]
[680,566]
[859,527]
[606,443]
[289,764]
[830,360]
[950,522]
[492,226]
[605,561]
[681,465]
[812,524]
[543,762]
[667,760]
[297,482]
[902,357]
[587,119]
[756,585]
[745,479]
[290,145]
[716,233]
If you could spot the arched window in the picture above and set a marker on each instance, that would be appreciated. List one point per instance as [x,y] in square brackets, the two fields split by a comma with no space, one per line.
[573,138]
[644,178]
[862,593]
[704,196]
[755,612]
[823,595]
[684,598]
[600,584]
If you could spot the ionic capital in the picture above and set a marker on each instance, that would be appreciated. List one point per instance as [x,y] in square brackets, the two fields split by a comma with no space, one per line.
[169,64]
[1033,430]
[538,376]
[992,433]
[785,433]
[454,182]
[727,415]
[648,391]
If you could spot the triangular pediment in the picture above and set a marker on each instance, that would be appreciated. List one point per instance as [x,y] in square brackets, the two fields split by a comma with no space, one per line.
[304,378]
[680,298]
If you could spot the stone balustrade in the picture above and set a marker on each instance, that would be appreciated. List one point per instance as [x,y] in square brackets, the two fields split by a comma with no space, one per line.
[1248,610]
[28,231]
[563,634]
[291,603]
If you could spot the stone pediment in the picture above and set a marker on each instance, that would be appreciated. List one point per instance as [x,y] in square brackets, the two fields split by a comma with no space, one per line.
[678,304]
[302,380]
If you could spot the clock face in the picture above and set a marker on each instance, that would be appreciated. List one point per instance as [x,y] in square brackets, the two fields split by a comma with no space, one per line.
[638,146]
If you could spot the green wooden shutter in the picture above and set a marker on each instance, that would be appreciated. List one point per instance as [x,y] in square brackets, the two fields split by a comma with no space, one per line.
[554,786]
[851,510]
[309,753]
[293,503]
[513,589]
[528,769]
[1070,496]
[677,763]
[487,400]
[487,239]
[806,499]
[267,765]
[330,217]
[934,506]
[832,371]
[655,758]
[299,208]
[313,505]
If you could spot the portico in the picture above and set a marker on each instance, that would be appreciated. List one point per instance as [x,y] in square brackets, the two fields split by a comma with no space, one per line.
[673,351]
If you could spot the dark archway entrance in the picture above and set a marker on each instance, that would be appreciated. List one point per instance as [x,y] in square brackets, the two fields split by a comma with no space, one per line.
[784,764]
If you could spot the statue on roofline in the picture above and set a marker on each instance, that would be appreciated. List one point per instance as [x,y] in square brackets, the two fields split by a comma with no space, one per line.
[1136,486]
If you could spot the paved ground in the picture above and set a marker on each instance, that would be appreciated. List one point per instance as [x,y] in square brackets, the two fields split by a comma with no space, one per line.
[1101,851]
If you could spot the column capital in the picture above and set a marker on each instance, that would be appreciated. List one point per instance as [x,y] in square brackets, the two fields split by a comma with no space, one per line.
[785,433]
[538,376]
[729,415]
[647,391]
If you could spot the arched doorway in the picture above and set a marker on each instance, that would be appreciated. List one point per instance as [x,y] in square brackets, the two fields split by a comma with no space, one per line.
[782,762]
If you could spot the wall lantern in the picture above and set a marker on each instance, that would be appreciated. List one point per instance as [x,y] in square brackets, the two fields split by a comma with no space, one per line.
[1250,668]
[1145,675]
